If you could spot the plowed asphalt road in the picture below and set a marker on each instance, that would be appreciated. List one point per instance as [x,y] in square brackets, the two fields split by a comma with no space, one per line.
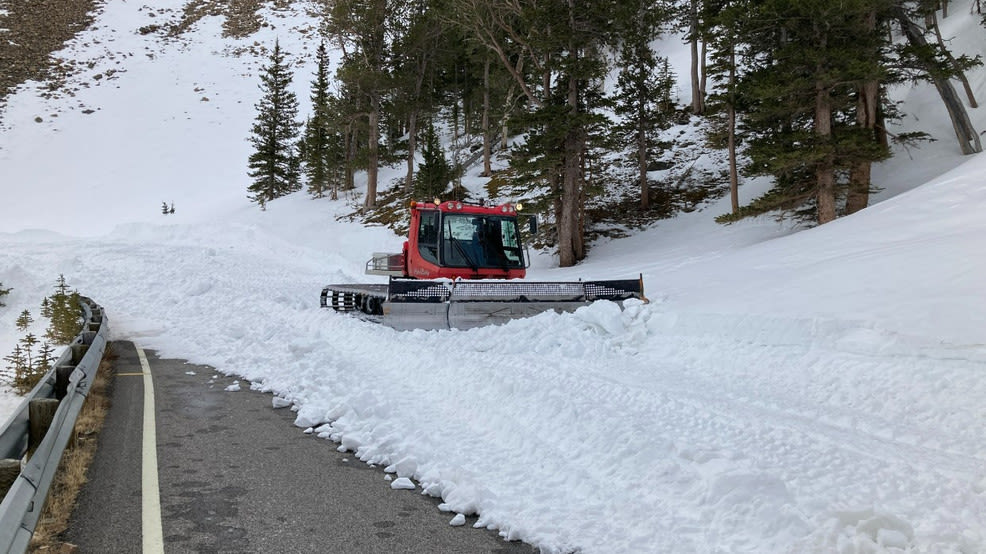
[235,475]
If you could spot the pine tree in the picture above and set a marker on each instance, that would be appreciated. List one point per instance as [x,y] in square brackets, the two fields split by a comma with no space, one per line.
[435,172]
[61,285]
[15,365]
[28,341]
[643,96]
[27,370]
[3,292]
[46,308]
[274,165]
[556,53]
[24,320]
[803,60]
[66,314]
[323,151]
[364,28]
[164,208]
[44,359]
[720,26]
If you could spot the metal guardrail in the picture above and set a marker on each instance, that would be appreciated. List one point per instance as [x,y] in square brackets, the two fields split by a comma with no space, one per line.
[68,383]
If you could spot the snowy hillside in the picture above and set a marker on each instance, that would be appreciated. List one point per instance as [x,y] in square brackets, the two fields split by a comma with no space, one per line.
[810,391]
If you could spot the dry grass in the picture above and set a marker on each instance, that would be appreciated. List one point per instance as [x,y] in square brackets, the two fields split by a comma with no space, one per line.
[75,462]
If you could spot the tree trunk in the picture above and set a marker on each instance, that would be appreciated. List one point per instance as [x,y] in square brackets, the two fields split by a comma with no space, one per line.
[697,100]
[487,139]
[731,141]
[642,155]
[350,138]
[867,99]
[373,152]
[703,72]
[733,172]
[858,196]
[571,248]
[933,23]
[824,171]
[412,145]
[964,131]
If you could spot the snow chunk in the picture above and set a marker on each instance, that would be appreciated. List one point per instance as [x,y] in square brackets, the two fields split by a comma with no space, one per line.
[234,387]
[278,402]
[604,315]
[458,521]
[308,417]
[406,467]
[402,483]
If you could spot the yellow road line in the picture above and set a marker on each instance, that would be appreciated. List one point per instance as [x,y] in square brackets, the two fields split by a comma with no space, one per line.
[150,493]
[130,374]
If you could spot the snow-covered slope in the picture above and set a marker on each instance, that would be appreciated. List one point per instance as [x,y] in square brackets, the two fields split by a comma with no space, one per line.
[812,391]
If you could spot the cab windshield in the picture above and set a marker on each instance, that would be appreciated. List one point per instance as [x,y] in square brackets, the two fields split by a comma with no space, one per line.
[479,241]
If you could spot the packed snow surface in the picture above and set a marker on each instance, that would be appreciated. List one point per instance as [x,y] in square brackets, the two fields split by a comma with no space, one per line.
[784,390]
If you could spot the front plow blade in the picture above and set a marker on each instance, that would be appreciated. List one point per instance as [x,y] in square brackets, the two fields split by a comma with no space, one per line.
[468,304]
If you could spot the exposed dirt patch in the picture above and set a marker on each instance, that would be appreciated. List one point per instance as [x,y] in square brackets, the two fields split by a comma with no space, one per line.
[30,30]
[241,17]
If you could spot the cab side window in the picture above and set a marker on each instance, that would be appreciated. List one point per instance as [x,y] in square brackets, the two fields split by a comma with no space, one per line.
[428,236]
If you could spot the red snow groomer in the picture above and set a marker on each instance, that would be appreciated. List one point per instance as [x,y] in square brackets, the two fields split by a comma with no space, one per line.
[459,268]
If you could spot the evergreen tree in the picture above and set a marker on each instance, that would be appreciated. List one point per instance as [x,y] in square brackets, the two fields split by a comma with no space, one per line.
[24,320]
[3,292]
[316,134]
[66,314]
[26,370]
[721,27]
[555,52]
[44,359]
[274,165]
[27,342]
[16,365]
[643,97]
[366,28]
[803,60]
[46,308]
[426,41]
[435,172]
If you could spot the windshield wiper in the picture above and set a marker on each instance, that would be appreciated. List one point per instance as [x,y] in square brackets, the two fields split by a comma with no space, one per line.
[461,249]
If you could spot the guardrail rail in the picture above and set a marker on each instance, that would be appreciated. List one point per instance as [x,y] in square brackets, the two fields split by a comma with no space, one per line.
[41,428]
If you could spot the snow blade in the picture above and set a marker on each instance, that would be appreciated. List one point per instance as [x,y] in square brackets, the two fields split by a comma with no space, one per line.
[467,304]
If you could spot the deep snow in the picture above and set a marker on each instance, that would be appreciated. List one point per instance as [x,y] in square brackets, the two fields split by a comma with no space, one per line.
[811,391]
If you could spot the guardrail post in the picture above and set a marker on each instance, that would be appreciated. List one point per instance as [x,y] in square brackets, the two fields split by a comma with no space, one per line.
[9,470]
[41,412]
[78,351]
[62,374]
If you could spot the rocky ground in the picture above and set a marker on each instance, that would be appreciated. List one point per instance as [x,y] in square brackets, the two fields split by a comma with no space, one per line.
[30,30]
